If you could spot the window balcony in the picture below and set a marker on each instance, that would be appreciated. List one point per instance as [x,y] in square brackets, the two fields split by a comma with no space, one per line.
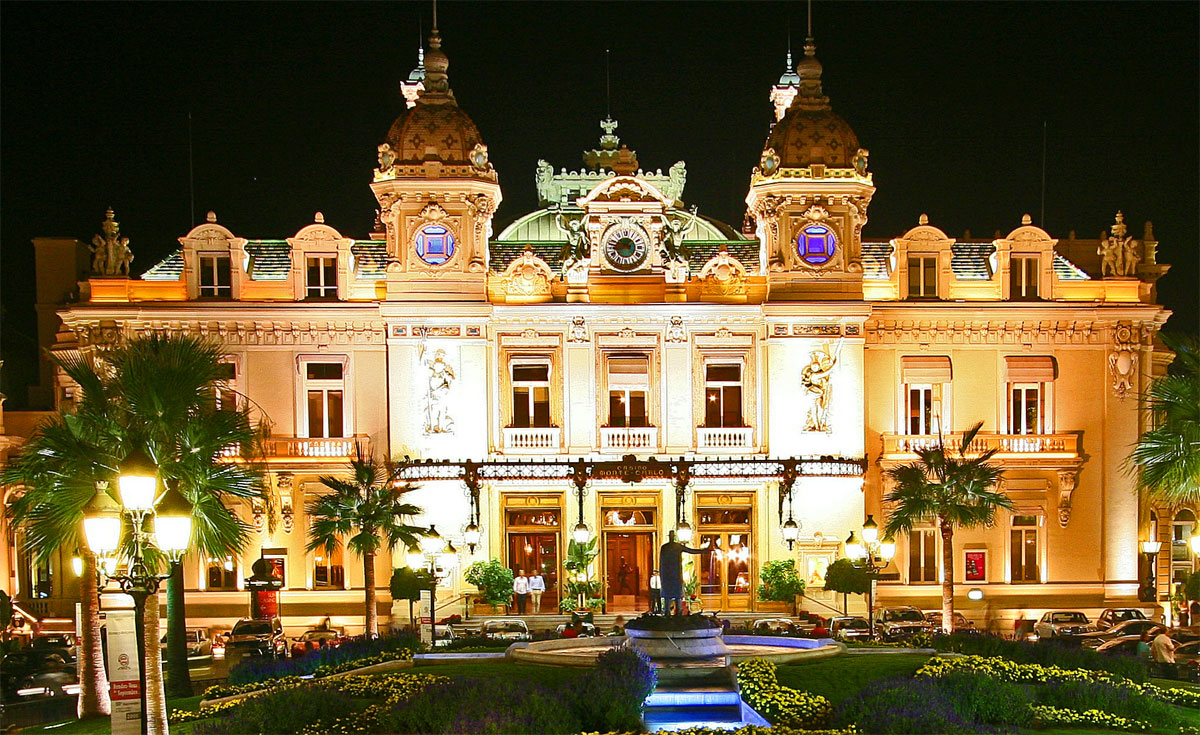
[312,450]
[628,438]
[725,440]
[1033,449]
[532,440]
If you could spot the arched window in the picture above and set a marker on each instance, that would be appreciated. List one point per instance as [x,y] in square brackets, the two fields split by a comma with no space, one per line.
[435,244]
[816,244]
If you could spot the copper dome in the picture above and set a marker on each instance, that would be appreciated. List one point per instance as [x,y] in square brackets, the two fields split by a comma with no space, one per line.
[810,132]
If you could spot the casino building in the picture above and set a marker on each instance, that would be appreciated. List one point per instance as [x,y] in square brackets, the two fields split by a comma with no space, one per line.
[619,360]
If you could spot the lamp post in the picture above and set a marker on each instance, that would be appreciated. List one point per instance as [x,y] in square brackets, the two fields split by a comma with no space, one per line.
[171,515]
[439,557]
[579,477]
[871,555]
[1148,592]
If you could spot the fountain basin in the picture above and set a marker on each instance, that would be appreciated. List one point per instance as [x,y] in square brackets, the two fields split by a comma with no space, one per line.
[695,643]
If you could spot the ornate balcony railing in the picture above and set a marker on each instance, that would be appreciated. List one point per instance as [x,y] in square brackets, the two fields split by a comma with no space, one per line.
[1007,446]
[725,439]
[628,438]
[532,440]
[308,449]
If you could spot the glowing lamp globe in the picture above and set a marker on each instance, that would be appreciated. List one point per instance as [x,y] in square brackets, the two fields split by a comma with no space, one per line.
[102,524]
[854,548]
[1151,547]
[791,532]
[472,535]
[138,482]
[1195,544]
[870,530]
[683,532]
[415,559]
[974,594]
[228,564]
[173,523]
[77,566]
[887,549]
[449,558]
[582,534]
[432,543]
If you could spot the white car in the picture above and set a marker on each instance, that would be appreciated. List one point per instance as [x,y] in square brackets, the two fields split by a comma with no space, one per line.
[1059,623]
[505,630]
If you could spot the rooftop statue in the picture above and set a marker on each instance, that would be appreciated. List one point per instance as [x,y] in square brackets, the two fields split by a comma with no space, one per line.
[576,250]
[111,255]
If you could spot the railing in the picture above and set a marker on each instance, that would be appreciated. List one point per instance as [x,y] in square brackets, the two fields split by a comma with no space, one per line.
[628,438]
[310,449]
[532,440]
[905,446]
[725,439]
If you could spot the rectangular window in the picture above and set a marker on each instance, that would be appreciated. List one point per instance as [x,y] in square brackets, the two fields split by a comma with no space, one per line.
[324,387]
[924,409]
[922,556]
[531,395]
[226,392]
[328,570]
[1025,408]
[221,574]
[1023,549]
[922,276]
[723,396]
[1023,278]
[628,388]
[215,276]
[321,281]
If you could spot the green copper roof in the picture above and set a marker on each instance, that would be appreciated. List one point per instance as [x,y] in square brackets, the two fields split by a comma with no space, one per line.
[538,226]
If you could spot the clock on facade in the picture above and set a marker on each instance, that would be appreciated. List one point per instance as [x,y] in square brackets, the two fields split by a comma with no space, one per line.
[816,244]
[435,244]
[626,247]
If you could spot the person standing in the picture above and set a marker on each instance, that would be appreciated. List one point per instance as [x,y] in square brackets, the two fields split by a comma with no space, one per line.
[521,591]
[537,585]
[1162,651]
[655,592]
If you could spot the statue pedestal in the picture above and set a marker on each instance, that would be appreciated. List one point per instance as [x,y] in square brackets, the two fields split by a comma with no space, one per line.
[696,643]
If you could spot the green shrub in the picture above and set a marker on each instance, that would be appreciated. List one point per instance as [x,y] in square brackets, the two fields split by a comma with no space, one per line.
[1082,696]
[987,700]
[286,712]
[1046,653]
[493,579]
[778,581]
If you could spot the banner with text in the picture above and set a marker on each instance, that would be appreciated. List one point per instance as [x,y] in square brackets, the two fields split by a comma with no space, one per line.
[124,680]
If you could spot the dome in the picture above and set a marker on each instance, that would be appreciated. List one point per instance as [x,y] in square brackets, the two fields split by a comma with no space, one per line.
[810,132]
[789,78]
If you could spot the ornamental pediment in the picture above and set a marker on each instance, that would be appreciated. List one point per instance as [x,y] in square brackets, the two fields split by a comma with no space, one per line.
[625,189]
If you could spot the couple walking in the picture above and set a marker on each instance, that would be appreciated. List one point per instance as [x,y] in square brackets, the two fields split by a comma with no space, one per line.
[525,587]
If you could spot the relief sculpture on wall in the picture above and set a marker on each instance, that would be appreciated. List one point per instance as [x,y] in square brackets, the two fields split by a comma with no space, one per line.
[439,378]
[816,377]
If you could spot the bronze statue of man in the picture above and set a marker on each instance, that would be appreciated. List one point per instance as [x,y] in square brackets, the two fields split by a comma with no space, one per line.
[670,572]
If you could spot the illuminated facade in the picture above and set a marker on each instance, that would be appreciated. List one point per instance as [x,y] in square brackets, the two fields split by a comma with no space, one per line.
[615,320]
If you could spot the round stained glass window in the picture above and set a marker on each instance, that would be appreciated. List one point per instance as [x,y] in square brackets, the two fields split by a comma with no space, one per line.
[435,244]
[816,244]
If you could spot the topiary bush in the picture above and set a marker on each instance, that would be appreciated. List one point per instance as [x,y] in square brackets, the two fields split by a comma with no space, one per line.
[609,698]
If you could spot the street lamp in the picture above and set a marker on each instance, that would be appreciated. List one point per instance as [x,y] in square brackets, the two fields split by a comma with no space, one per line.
[138,485]
[871,555]
[439,557]
[1148,592]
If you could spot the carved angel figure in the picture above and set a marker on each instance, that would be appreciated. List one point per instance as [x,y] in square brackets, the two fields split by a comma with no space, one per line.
[437,411]
[816,379]
[577,248]
[111,255]
[674,229]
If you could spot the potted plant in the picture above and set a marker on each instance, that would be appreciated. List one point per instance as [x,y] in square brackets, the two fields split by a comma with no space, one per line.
[581,592]
[780,583]
[495,584]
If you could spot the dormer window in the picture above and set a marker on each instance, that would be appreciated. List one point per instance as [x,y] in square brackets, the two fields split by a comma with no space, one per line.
[321,277]
[215,279]
[922,277]
[1023,278]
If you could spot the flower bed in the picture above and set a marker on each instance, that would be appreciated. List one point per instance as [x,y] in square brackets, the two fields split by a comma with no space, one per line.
[1046,653]
[1057,717]
[350,655]
[781,705]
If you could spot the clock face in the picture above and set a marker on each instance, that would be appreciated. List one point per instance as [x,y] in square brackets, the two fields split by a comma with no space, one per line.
[626,247]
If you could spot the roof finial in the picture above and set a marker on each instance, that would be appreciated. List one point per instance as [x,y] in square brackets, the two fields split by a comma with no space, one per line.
[437,83]
[607,85]
[789,44]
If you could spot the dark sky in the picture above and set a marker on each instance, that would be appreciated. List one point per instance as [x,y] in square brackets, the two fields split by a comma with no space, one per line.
[289,101]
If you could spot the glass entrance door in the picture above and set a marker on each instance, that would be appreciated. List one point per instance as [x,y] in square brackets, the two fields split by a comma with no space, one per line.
[530,551]
[629,551]
[725,567]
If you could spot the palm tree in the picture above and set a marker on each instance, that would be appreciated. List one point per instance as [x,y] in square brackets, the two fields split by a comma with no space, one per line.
[155,393]
[370,510]
[1168,455]
[951,487]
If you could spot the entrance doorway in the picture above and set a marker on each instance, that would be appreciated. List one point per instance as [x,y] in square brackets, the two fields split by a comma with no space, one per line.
[726,566]
[533,545]
[629,552]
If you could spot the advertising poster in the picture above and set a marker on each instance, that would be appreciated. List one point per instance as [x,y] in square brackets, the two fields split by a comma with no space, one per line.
[976,566]
[123,679]
[426,619]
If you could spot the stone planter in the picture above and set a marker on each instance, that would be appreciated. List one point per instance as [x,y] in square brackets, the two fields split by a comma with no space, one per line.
[783,609]
[479,608]
[678,644]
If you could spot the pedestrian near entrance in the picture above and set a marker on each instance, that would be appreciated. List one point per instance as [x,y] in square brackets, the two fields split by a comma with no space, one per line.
[521,591]
[1143,646]
[537,585]
[655,592]
[1162,653]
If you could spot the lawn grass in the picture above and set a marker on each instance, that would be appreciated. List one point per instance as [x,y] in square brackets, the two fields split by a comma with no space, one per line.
[844,676]
[102,725]
[484,668]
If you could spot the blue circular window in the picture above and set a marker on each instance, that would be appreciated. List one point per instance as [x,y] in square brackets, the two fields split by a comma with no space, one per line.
[435,244]
[816,244]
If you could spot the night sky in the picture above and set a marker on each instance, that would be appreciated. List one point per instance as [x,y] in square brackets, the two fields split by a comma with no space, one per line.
[289,101]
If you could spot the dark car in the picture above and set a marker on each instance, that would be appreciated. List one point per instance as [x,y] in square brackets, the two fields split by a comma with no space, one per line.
[56,642]
[311,640]
[35,671]
[257,638]
[898,623]
[961,624]
[1114,615]
[1125,645]
[1120,630]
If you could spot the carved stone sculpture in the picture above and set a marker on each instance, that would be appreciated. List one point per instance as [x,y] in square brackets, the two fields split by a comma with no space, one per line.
[1123,360]
[817,381]
[438,381]
[578,330]
[111,255]
[577,248]
[674,230]
[1119,253]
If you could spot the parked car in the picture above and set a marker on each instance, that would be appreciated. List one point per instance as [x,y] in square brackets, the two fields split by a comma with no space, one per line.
[1115,615]
[589,630]
[199,643]
[1125,645]
[1062,623]
[850,628]
[311,640]
[218,644]
[961,624]
[56,642]
[506,630]
[443,635]
[257,638]
[774,626]
[897,623]
[1120,630]
[33,671]
[1188,652]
